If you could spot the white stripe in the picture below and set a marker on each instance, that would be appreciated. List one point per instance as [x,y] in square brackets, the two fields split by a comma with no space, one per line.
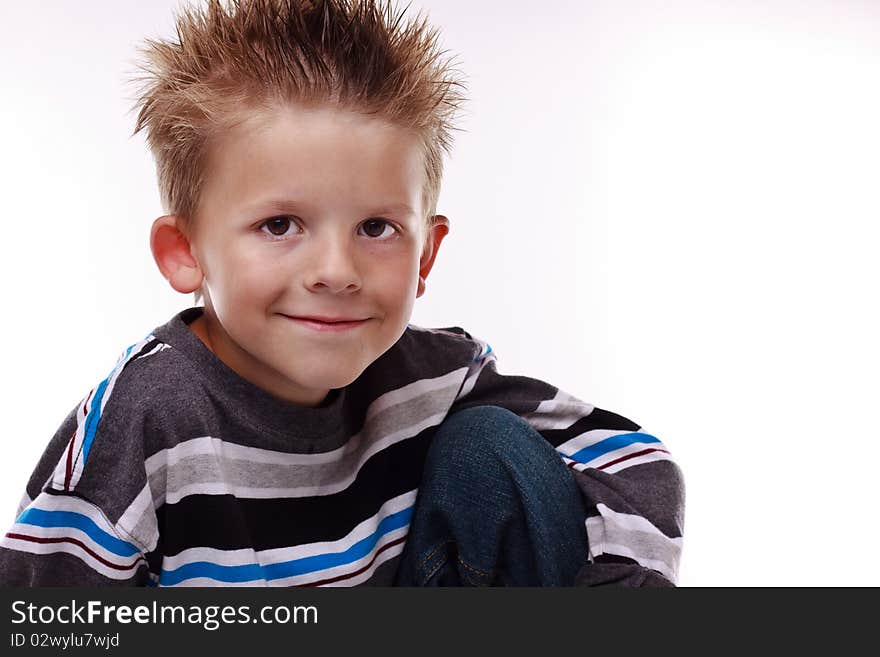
[595,536]
[225,451]
[139,521]
[635,537]
[414,390]
[74,550]
[587,439]
[558,413]
[241,557]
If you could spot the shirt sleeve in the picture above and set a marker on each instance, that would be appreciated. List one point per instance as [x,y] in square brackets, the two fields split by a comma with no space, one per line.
[87,517]
[64,540]
[632,489]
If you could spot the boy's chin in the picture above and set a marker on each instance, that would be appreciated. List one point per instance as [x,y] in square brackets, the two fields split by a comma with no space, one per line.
[337,379]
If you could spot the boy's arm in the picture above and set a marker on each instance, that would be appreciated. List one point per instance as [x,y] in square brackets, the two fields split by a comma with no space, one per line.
[63,540]
[633,491]
[59,536]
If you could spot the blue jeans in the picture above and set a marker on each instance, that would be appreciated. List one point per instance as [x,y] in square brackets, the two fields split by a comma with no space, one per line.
[496,507]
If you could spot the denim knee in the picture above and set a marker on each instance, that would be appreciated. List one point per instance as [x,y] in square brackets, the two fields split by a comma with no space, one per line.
[497,500]
[474,434]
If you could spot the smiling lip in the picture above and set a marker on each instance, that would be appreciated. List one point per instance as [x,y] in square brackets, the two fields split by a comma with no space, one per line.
[331,324]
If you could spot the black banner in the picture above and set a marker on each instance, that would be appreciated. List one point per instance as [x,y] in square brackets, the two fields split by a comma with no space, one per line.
[245,621]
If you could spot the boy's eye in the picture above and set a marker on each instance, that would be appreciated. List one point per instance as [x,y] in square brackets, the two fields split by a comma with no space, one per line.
[281,226]
[376,228]
[277,226]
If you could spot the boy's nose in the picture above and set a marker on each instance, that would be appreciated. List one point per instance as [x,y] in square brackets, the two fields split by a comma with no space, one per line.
[333,267]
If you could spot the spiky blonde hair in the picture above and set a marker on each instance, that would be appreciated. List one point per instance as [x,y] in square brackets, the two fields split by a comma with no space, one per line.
[252,55]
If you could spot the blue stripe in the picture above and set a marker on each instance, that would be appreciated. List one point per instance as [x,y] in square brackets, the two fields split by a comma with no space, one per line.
[611,443]
[41,518]
[301,566]
[482,355]
[94,415]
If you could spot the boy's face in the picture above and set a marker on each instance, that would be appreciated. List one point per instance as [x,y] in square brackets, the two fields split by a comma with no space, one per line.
[310,212]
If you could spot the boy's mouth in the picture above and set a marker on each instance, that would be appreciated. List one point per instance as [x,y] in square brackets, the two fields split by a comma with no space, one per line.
[322,323]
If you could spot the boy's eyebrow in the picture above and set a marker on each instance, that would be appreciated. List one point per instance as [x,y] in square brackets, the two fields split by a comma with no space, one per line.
[290,205]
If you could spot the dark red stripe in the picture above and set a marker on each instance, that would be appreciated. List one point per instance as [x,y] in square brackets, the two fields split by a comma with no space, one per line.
[69,469]
[86,402]
[65,539]
[357,572]
[631,456]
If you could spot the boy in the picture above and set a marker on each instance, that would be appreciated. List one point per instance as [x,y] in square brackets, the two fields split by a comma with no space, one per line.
[296,430]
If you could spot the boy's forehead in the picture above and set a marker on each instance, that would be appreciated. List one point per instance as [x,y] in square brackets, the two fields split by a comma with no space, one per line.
[256,163]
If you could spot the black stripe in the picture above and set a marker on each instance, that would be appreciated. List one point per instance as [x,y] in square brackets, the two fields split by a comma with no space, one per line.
[228,523]
[147,348]
[416,355]
[523,395]
[518,394]
[598,419]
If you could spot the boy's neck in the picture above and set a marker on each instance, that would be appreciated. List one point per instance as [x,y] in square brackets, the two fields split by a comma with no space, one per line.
[200,326]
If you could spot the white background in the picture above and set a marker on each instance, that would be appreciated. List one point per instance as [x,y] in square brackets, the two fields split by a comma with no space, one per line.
[668,209]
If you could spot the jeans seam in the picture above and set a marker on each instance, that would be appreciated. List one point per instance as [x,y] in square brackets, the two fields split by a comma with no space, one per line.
[432,568]
[425,577]
[432,553]
[479,573]
[426,569]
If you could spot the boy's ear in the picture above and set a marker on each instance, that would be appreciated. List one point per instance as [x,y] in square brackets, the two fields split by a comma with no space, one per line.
[171,251]
[438,229]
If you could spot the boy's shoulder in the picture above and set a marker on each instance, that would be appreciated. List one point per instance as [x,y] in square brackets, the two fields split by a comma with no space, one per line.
[450,343]
[424,353]
[98,451]
[150,376]
[152,386]
[422,358]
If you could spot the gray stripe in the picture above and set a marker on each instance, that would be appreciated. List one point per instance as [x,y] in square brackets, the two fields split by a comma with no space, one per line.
[236,473]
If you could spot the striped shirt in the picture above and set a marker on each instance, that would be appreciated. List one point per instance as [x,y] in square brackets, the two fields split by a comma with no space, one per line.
[175,471]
